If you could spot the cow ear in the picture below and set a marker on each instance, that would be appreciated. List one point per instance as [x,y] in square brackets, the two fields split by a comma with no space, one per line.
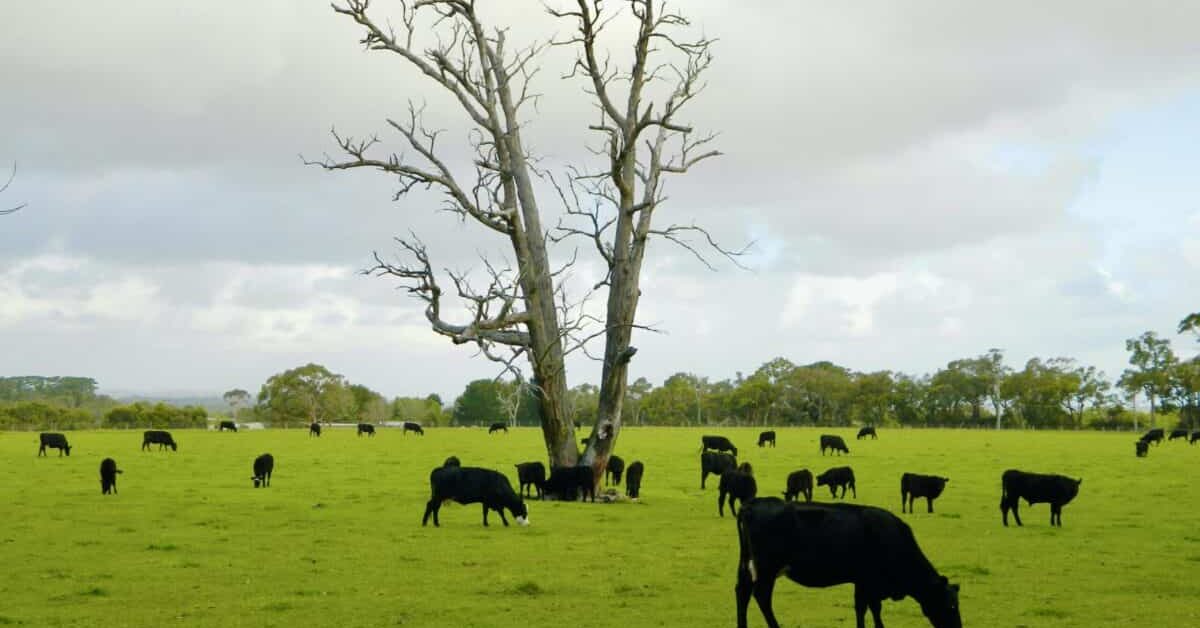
[1079,481]
[945,479]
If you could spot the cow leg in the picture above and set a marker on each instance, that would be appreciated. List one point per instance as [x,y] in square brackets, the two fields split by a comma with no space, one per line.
[853,490]
[1055,515]
[721,504]
[929,503]
[732,508]
[832,491]
[485,509]
[876,608]
[703,475]
[431,508]
[1016,512]
[502,517]
[763,589]
[742,592]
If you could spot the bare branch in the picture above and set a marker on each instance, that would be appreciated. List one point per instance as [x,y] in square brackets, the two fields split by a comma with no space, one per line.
[676,234]
[11,176]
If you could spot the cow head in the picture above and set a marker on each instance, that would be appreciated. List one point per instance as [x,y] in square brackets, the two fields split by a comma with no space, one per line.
[67,449]
[941,606]
[174,447]
[521,513]
[257,481]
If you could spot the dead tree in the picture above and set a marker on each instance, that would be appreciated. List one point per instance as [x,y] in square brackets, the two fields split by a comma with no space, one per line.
[524,312]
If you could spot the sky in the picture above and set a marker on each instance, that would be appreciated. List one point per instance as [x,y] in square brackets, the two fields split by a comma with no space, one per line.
[920,182]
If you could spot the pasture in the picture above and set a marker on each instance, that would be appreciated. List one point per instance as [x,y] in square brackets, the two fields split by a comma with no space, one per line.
[337,540]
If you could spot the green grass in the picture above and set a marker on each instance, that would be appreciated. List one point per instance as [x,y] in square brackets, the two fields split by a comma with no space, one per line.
[337,540]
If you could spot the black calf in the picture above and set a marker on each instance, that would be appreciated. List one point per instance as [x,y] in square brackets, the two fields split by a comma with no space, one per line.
[633,479]
[838,476]
[613,470]
[1036,488]
[739,485]
[263,466]
[799,483]
[531,474]
[766,437]
[108,476]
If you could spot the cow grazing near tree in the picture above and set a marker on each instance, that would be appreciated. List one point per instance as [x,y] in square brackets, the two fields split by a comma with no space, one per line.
[498,427]
[913,485]
[571,483]
[1195,437]
[473,485]
[739,485]
[822,545]
[1154,436]
[160,438]
[799,483]
[1036,488]
[227,425]
[838,477]
[531,474]
[613,470]
[867,431]
[766,437]
[366,428]
[715,463]
[1178,433]
[1141,448]
[264,465]
[633,479]
[108,476]
[409,426]
[314,429]
[717,443]
[830,441]
[53,440]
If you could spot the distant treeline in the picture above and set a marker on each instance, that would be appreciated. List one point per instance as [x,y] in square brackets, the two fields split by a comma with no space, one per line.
[70,403]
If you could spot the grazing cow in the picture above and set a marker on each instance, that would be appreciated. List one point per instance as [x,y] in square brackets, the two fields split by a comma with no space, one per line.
[766,437]
[913,485]
[531,474]
[799,483]
[160,438]
[717,443]
[263,466]
[867,431]
[452,461]
[568,482]
[821,545]
[1178,433]
[366,428]
[53,440]
[1036,488]
[227,425]
[739,485]
[471,485]
[1141,448]
[829,441]
[409,426]
[108,476]
[1195,437]
[1153,436]
[498,427]
[715,463]
[633,479]
[838,476]
[613,470]
[314,429]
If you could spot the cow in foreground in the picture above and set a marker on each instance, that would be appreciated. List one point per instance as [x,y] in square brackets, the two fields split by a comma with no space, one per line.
[314,429]
[108,476]
[1141,448]
[717,443]
[613,470]
[53,440]
[366,428]
[913,485]
[766,437]
[264,465]
[867,431]
[739,485]
[571,483]
[531,474]
[498,427]
[473,485]
[227,425]
[160,438]
[835,443]
[1154,436]
[715,463]
[633,479]
[1036,488]
[838,477]
[821,545]
[799,483]
[409,426]
[1178,433]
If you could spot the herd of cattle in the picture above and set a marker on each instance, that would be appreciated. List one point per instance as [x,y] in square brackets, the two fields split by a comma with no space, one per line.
[1156,435]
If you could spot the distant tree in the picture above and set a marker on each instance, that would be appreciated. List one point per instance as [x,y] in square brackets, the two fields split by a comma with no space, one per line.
[872,395]
[4,187]
[1191,323]
[368,405]
[479,403]
[236,398]
[305,394]
[634,395]
[1153,360]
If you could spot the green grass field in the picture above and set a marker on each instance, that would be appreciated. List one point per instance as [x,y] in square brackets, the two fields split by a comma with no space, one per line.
[337,540]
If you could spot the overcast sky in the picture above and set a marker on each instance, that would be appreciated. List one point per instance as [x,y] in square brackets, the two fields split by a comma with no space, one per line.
[922,180]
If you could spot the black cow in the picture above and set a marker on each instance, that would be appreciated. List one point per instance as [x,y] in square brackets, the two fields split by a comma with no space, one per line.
[717,443]
[160,438]
[739,485]
[366,428]
[314,429]
[715,463]
[568,482]
[263,466]
[1177,433]
[53,440]
[766,437]
[867,431]
[838,476]
[1141,448]
[409,426]
[613,470]
[799,483]
[1153,436]
[913,485]
[227,425]
[1195,437]
[1036,488]
[108,476]
[472,485]
[531,474]
[821,545]
[452,461]
[498,427]
[633,479]
[829,441]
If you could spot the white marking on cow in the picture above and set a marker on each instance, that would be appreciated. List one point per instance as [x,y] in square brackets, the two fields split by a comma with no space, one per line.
[523,521]
[753,570]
